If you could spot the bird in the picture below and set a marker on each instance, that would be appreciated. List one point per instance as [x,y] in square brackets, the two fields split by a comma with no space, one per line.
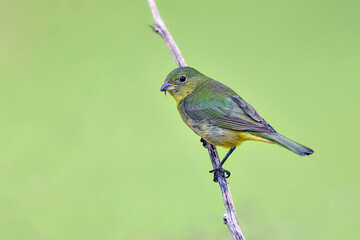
[220,116]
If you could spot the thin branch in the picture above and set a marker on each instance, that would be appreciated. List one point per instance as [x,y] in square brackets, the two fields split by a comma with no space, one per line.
[229,217]
[160,28]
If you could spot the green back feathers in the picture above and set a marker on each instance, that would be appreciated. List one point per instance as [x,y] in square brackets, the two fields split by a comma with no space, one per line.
[222,107]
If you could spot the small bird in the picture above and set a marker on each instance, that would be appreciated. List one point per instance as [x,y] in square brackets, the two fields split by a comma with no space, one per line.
[219,115]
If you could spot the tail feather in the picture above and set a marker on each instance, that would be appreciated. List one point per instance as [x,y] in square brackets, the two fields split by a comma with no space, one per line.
[287,143]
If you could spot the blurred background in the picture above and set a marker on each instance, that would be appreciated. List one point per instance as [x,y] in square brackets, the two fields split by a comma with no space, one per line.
[91,149]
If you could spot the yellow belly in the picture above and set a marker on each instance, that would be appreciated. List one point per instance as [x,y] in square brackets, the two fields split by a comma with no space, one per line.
[224,137]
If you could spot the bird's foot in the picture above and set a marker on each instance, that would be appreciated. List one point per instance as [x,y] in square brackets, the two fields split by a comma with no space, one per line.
[204,143]
[219,171]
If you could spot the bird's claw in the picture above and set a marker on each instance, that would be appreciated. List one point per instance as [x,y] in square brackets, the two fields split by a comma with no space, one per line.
[204,143]
[219,171]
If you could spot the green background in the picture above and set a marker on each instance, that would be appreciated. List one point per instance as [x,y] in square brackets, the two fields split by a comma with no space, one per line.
[91,149]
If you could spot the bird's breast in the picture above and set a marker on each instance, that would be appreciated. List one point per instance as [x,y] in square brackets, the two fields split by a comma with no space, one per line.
[213,134]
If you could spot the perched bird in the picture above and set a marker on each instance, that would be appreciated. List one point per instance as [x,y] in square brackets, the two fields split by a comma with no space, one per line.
[220,116]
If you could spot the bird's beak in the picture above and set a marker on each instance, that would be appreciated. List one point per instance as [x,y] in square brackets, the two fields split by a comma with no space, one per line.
[167,86]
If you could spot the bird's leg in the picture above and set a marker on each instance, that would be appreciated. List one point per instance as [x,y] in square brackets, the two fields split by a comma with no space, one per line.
[203,142]
[219,170]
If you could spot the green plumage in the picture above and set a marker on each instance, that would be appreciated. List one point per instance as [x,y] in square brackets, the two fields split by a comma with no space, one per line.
[219,115]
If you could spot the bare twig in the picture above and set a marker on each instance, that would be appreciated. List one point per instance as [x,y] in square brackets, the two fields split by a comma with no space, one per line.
[230,215]
[160,28]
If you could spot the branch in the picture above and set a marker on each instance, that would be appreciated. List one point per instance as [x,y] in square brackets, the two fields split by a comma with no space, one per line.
[229,217]
[160,28]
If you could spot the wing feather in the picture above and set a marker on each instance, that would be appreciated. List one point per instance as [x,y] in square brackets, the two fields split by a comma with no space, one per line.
[215,106]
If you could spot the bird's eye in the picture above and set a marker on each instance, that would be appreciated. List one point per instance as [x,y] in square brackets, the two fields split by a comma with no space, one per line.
[182,79]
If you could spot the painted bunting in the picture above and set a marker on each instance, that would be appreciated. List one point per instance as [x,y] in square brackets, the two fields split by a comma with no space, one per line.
[220,116]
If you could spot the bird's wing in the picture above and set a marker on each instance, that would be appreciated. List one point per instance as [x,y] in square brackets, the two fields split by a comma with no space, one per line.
[225,110]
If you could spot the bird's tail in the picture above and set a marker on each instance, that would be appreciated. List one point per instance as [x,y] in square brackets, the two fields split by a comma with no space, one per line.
[286,143]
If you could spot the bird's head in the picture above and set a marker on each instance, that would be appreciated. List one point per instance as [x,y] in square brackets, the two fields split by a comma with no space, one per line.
[182,81]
